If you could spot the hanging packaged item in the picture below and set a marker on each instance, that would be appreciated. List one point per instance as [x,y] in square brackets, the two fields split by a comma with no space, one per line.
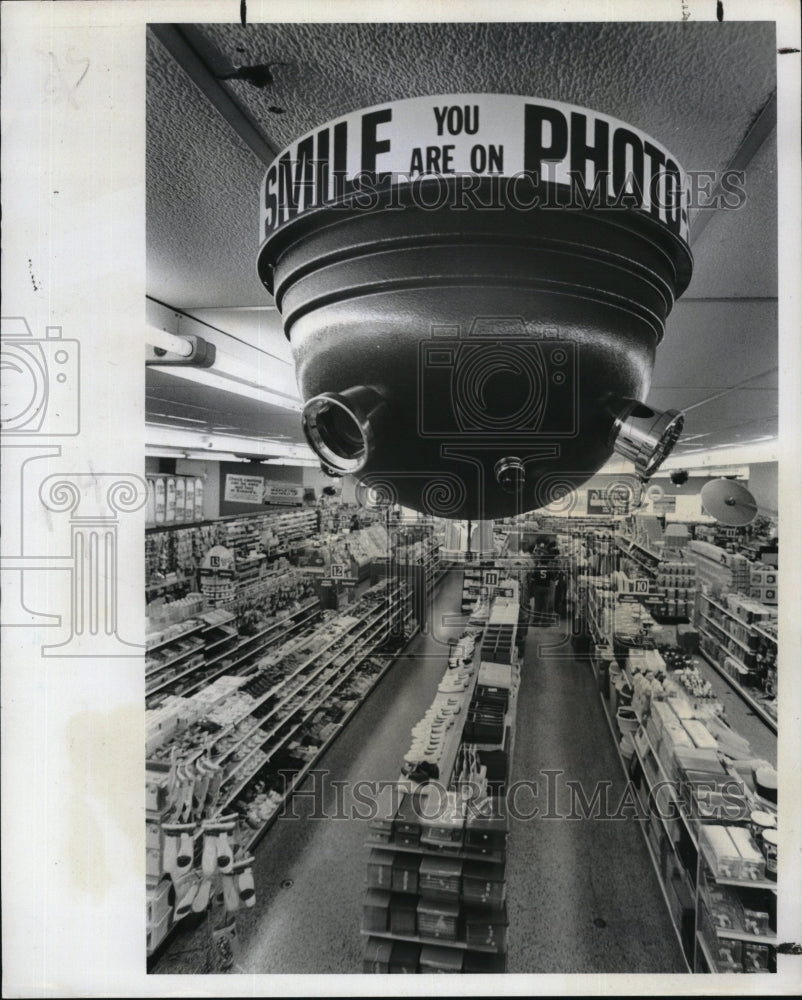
[169,509]
[189,499]
[161,498]
[180,496]
[198,498]
[150,511]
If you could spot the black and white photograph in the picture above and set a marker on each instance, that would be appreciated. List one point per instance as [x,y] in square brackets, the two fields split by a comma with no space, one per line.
[416,607]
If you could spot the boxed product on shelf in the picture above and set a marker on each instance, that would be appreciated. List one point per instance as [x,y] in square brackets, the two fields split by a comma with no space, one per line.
[157,931]
[753,864]
[403,915]
[380,869]
[446,824]
[405,873]
[404,957]
[438,918]
[157,901]
[724,906]
[377,956]
[407,823]
[756,957]
[380,830]
[485,927]
[441,960]
[757,922]
[726,952]
[483,883]
[485,834]
[721,852]
[440,878]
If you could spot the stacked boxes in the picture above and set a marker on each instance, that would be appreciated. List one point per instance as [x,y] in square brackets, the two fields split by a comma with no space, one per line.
[763,585]
[676,581]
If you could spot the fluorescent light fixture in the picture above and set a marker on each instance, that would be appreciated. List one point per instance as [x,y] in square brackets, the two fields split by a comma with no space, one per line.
[184,439]
[168,342]
[230,382]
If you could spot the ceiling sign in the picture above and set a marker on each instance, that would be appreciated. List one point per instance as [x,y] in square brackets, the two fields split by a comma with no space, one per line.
[454,139]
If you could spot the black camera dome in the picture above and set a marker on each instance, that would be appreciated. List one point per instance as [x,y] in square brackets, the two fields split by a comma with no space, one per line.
[474,287]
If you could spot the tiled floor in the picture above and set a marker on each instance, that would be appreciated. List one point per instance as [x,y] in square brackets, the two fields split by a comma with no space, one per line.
[582,894]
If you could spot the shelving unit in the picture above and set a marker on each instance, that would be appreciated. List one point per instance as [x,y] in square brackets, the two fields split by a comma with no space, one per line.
[672,579]
[673,838]
[720,945]
[218,648]
[345,646]
[437,883]
[471,587]
[418,564]
[730,644]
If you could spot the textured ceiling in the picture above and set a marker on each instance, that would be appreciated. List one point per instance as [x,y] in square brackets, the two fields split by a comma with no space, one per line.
[696,87]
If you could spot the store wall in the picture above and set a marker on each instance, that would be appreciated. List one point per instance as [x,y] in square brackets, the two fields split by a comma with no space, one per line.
[763,486]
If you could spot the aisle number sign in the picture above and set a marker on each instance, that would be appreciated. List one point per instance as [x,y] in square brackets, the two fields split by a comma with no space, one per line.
[470,136]
[340,573]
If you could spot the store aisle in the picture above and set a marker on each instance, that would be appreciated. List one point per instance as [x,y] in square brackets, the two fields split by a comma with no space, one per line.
[310,872]
[582,892]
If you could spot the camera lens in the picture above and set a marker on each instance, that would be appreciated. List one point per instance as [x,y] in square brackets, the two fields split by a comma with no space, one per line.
[340,432]
[341,428]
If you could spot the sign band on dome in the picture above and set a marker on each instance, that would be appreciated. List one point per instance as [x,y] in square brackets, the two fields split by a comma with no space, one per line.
[528,147]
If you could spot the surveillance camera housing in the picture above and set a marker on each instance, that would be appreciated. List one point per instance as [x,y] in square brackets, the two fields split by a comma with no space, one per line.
[445,322]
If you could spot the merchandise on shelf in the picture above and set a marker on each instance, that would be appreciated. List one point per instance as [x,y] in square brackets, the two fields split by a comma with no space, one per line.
[668,571]
[738,637]
[173,499]
[226,757]
[436,898]
[717,567]
[697,785]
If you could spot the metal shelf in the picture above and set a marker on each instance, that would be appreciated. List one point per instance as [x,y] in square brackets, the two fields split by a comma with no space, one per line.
[166,683]
[439,942]
[726,632]
[299,777]
[756,707]
[176,659]
[180,635]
